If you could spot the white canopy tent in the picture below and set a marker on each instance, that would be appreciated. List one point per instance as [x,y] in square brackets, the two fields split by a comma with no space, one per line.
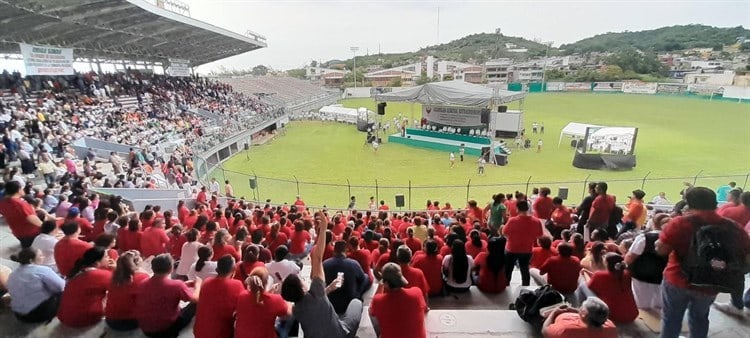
[575,130]
[456,92]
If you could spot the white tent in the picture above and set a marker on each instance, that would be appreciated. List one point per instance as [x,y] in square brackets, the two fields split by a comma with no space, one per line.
[575,130]
[452,93]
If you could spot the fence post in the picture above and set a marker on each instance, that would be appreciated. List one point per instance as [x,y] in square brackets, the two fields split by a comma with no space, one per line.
[643,183]
[377,194]
[257,186]
[409,194]
[745,185]
[297,182]
[223,174]
[468,186]
[585,186]
[695,179]
[349,185]
[527,186]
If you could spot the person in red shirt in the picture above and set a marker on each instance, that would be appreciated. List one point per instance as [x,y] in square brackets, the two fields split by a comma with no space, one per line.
[431,264]
[221,248]
[122,292]
[389,256]
[398,311]
[182,211]
[675,240]
[69,249]
[275,238]
[383,206]
[300,242]
[543,205]
[250,261]
[601,208]
[561,218]
[299,203]
[154,239]
[202,197]
[412,242]
[563,270]
[414,276]
[590,321]
[176,240]
[157,305]
[214,316]
[19,215]
[476,244]
[474,213]
[521,233]
[613,287]
[510,205]
[129,237]
[361,255]
[258,309]
[82,302]
[739,213]
[489,267]
[541,253]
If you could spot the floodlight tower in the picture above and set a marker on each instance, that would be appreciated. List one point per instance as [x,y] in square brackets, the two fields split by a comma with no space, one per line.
[354,50]
[544,69]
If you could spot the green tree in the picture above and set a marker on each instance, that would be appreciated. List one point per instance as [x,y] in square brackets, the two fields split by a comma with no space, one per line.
[396,82]
[448,77]
[298,73]
[260,70]
[313,63]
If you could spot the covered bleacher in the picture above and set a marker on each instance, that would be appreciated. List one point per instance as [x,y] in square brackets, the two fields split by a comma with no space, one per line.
[116,30]
[285,89]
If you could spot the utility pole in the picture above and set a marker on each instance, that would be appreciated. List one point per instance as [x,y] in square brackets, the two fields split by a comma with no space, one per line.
[544,69]
[354,68]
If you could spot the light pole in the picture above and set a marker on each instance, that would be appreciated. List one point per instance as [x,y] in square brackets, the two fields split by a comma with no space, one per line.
[544,69]
[354,68]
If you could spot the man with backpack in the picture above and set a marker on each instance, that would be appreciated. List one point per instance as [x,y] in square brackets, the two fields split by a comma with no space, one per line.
[707,255]
[646,266]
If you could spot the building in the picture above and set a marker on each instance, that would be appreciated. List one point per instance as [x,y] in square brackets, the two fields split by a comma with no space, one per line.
[333,79]
[459,71]
[384,78]
[700,64]
[709,77]
[497,70]
[532,71]
[317,73]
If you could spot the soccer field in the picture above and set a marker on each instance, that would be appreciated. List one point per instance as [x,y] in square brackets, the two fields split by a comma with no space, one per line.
[678,138]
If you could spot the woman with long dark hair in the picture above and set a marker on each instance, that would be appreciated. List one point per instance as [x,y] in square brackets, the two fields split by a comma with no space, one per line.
[613,287]
[123,291]
[489,267]
[34,288]
[82,302]
[476,244]
[594,260]
[457,268]
[204,267]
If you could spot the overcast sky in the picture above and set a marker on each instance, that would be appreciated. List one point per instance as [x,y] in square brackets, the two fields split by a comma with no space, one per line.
[298,31]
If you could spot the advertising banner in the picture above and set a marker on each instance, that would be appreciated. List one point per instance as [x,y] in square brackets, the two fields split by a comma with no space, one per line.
[607,86]
[671,88]
[555,86]
[178,67]
[577,86]
[45,60]
[704,89]
[453,116]
[639,88]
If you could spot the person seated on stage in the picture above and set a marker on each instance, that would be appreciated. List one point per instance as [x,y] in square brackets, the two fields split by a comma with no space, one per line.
[590,320]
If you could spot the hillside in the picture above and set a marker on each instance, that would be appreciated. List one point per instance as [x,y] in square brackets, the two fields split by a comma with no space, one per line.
[660,39]
[476,47]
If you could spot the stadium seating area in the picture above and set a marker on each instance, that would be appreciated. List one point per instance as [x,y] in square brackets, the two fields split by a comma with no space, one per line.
[284,89]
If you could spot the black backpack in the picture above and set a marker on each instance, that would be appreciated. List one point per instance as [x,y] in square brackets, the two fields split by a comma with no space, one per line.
[649,266]
[530,302]
[716,259]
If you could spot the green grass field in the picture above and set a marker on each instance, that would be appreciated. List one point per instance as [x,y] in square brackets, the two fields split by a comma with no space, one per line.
[677,138]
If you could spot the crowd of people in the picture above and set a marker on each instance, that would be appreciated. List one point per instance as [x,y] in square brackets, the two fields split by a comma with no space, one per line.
[238,266]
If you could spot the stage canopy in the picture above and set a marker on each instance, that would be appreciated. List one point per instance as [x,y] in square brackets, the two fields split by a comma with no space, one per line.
[575,130]
[456,92]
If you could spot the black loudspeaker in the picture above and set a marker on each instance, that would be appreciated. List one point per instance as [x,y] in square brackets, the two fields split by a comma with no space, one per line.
[485,119]
[381,108]
[501,159]
[502,109]
[247,146]
[562,192]
[253,183]
[400,201]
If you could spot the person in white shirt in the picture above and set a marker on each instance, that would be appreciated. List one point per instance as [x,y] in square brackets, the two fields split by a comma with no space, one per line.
[189,254]
[45,243]
[481,162]
[34,289]
[281,268]
[452,158]
[213,187]
[204,267]
[661,199]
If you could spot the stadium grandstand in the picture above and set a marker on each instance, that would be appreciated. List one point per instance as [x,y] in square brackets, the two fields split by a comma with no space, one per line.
[105,196]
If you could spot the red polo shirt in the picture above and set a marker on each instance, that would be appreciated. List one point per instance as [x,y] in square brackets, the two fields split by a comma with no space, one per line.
[153,242]
[416,278]
[256,320]
[82,302]
[540,255]
[400,313]
[617,294]
[562,273]
[226,249]
[157,304]
[15,211]
[298,242]
[363,256]
[431,267]
[120,298]
[543,207]
[522,232]
[739,214]
[214,317]
[67,252]
[489,281]
[601,209]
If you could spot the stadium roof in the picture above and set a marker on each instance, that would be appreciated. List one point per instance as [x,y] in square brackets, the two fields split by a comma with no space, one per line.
[134,30]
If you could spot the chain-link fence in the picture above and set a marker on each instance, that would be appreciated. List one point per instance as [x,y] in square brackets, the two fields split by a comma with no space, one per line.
[336,193]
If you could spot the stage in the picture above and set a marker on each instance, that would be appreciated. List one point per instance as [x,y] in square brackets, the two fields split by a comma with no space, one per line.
[447,142]
[604,161]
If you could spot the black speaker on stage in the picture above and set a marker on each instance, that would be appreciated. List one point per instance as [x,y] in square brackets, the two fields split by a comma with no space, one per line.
[485,118]
[501,159]
[253,183]
[562,192]
[502,109]
[247,146]
[381,108]
[400,201]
